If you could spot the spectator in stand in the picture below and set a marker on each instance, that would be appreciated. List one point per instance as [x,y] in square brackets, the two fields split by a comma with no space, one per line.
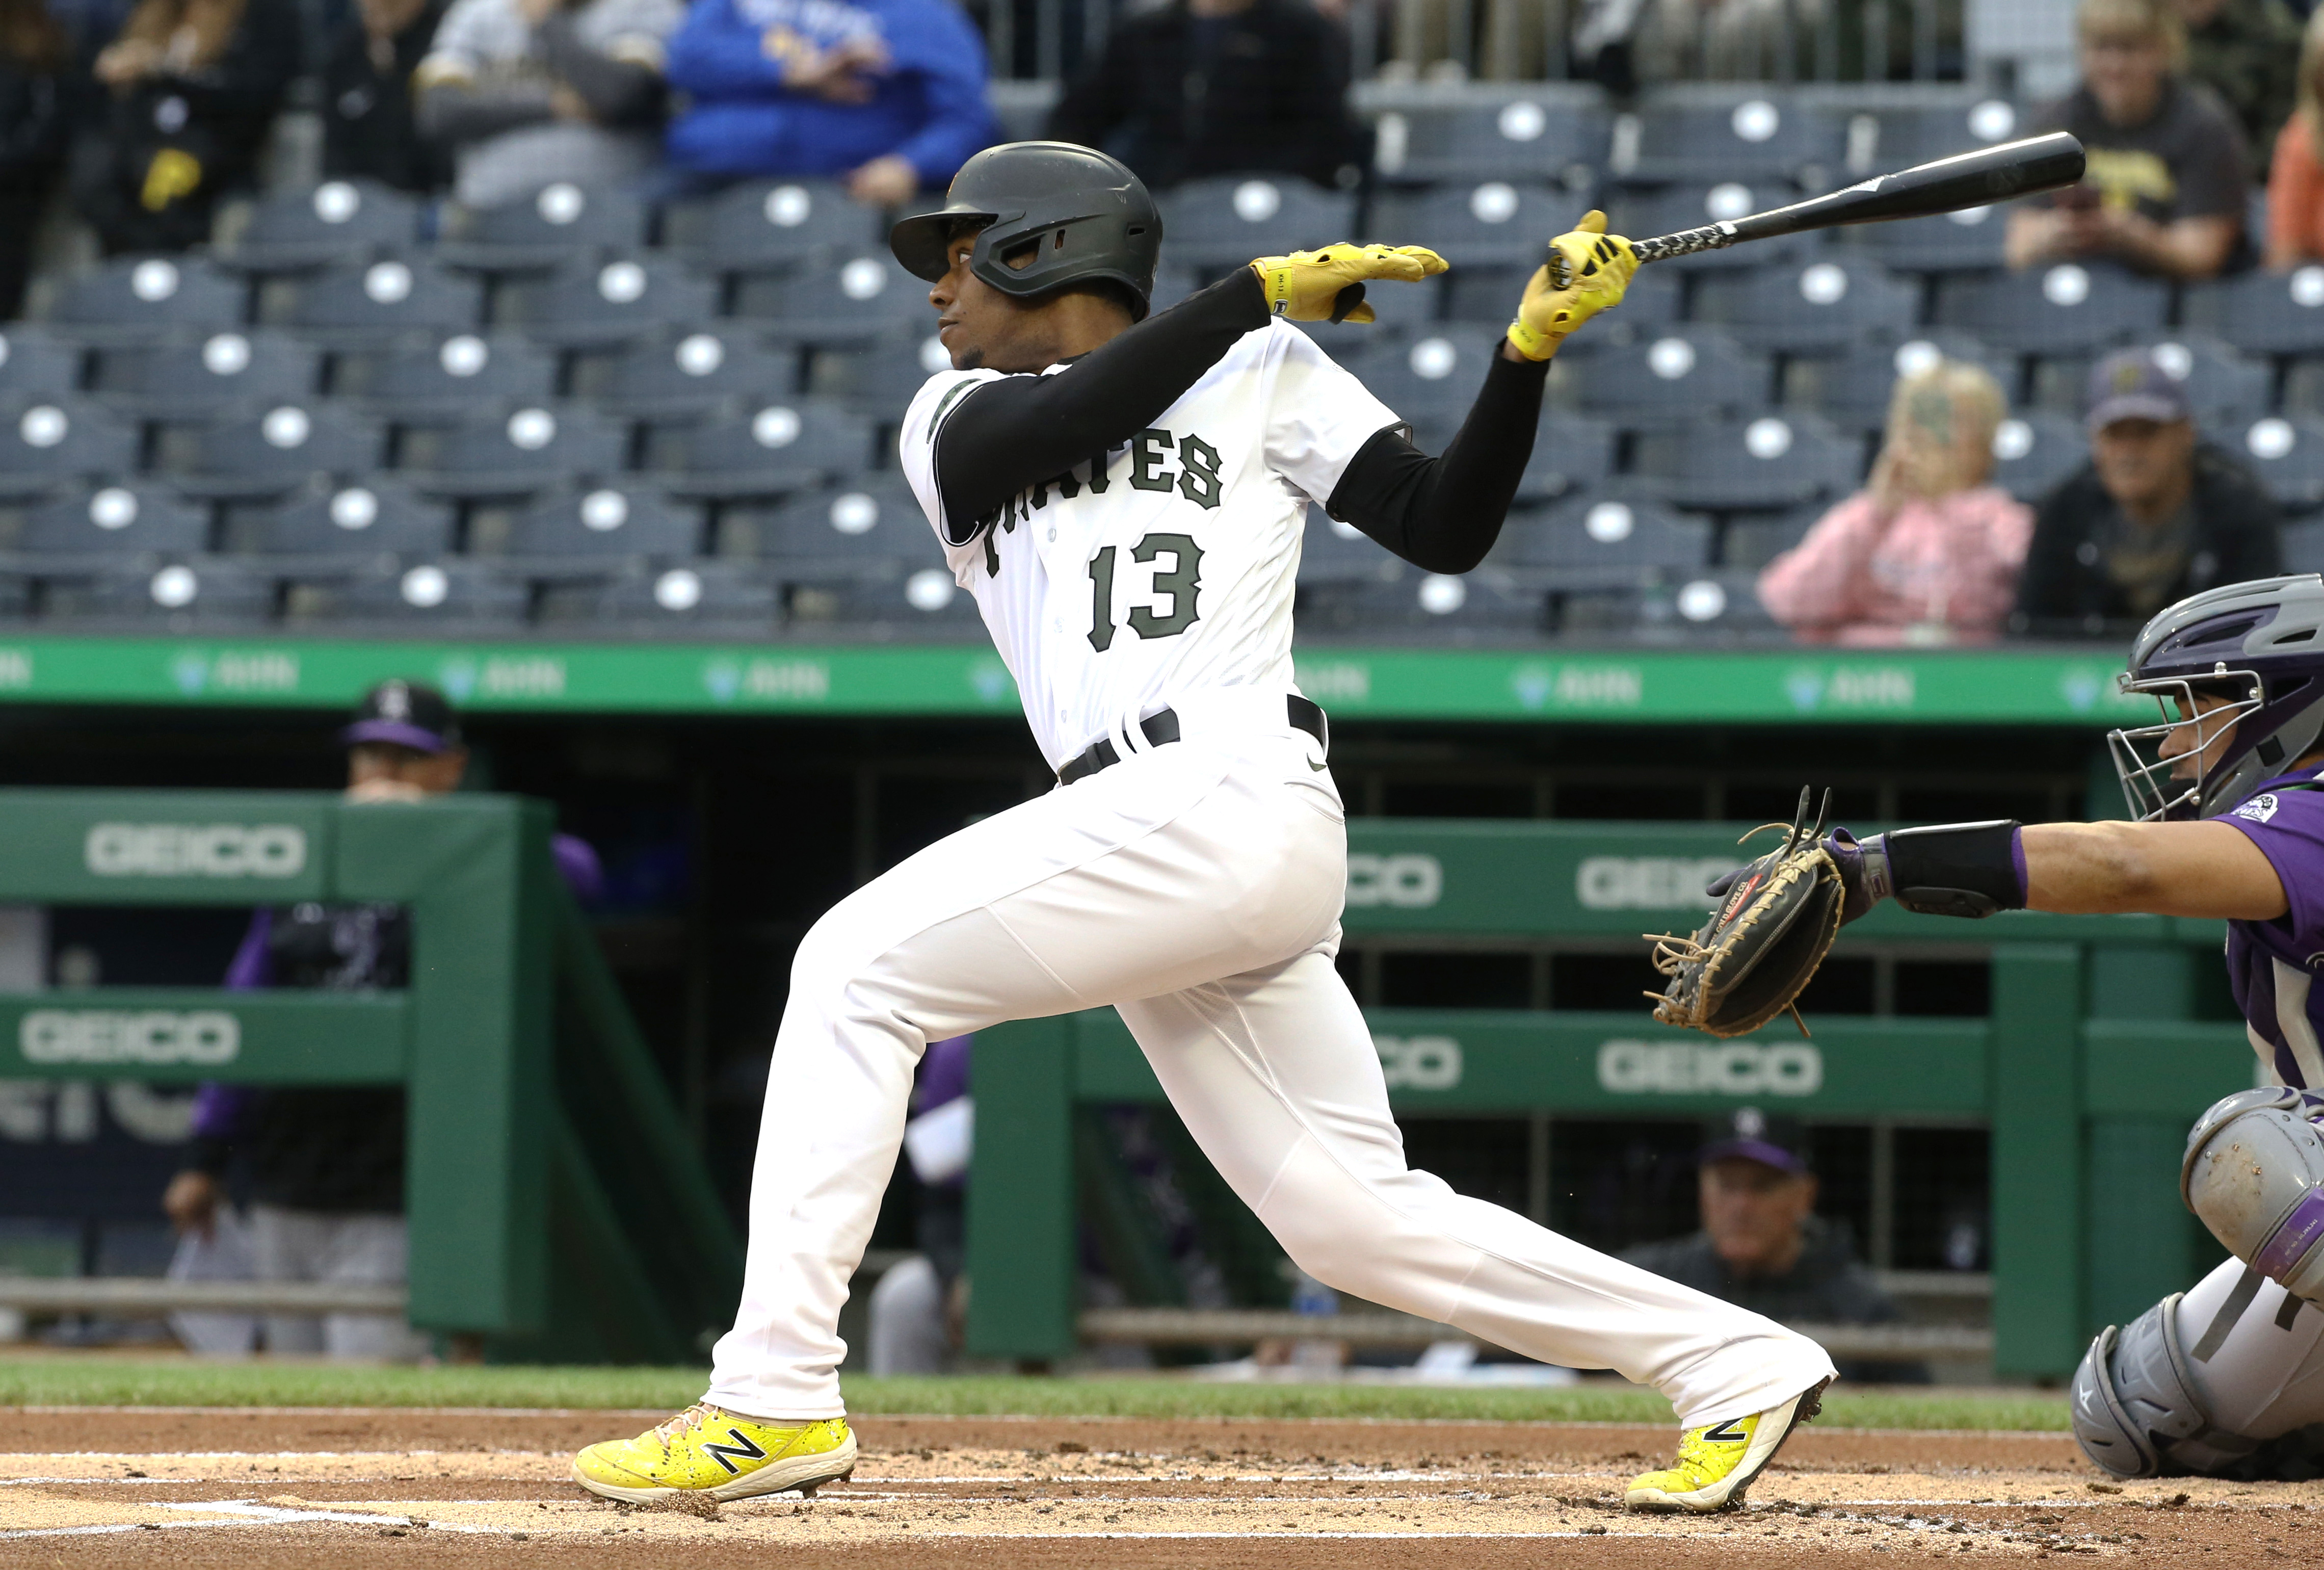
[531,93]
[2295,182]
[1199,87]
[2155,517]
[2246,52]
[2166,189]
[190,90]
[369,131]
[35,113]
[1929,551]
[887,95]
[325,1166]
[1763,1247]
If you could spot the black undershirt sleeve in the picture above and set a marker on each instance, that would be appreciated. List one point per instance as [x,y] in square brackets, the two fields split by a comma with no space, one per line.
[1003,437]
[1443,513]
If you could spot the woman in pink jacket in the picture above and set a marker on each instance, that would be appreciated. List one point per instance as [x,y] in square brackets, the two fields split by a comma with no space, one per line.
[1927,552]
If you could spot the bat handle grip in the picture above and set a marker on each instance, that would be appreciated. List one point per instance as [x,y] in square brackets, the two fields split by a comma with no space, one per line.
[1685,242]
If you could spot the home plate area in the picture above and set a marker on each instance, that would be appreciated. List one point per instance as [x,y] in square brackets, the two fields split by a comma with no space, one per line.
[193,1488]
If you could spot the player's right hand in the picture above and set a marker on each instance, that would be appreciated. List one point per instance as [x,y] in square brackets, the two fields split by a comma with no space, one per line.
[1597,268]
[1328,285]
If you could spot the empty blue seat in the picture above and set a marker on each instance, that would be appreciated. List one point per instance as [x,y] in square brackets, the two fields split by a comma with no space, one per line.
[2065,308]
[615,521]
[561,222]
[1753,539]
[370,516]
[592,303]
[1570,452]
[2033,451]
[339,221]
[1490,224]
[1606,540]
[772,227]
[1683,375]
[2286,454]
[116,519]
[698,599]
[1556,135]
[1221,223]
[141,298]
[1823,306]
[175,596]
[273,452]
[2261,313]
[880,378]
[915,597]
[428,596]
[1747,133]
[2303,546]
[357,304]
[690,374]
[794,445]
[213,378]
[36,362]
[1967,241]
[843,532]
[1904,136]
[46,440]
[865,298]
[1434,375]
[517,453]
[446,376]
[1483,606]
[1767,461]
[1698,206]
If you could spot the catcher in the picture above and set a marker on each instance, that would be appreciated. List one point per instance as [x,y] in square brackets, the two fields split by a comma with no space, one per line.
[2226,1378]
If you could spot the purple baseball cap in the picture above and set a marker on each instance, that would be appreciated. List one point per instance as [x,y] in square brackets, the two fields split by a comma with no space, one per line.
[1777,1141]
[404,713]
[2133,384]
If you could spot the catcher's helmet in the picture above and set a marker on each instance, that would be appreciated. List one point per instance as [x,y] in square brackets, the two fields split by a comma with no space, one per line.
[1083,215]
[2260,645]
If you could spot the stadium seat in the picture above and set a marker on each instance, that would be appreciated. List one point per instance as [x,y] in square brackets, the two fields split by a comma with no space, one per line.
[772,227]
[1487,606]
[914,597]
[1753,539]
[1331,551]
[1561,138]
[222,374]
[1853,390]
[1906,136]
[446,378]
[360,304]
[880,378]
[2227,391]
[846,530]
[2060,310]
[698,599]
[1686,374]
[369,517]
[2033,451]
[1747,133]
[339,221]
[1225,222]
[2303,546]
[794,445]
[688,376]
[1570,453]
[1403,311]
[1967,241]
[1767,461]
[1606,540]
[1719,605]
[1490,224]
[514,453]
[592,304]
[2261,313]
[112,521]
[2286,454]
[563,222]
[1819,307]
[268,455]
[137,299]
[44,441]
[1696,205]
[1489,295]
[1432,377]
[35,363]
[176,596]
[15,596]
[611,521]
[863,299]
[428,594]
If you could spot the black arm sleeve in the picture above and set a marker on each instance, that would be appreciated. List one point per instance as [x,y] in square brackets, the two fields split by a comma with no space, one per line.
[1007,435]
[1443,513]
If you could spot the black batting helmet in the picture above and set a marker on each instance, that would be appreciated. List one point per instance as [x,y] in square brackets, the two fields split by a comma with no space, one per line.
[1085,217]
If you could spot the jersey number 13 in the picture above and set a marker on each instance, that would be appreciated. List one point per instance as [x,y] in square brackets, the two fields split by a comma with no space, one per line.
[1180,584]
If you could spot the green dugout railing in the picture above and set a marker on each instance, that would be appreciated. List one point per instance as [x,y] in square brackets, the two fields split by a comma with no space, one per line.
[556,1207]
[2086,1069]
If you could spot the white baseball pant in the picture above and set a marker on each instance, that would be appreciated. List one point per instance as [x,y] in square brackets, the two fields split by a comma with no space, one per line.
[1196,887]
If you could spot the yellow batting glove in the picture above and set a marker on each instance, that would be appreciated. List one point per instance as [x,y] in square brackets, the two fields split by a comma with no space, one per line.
[1588,272]
[1328,285]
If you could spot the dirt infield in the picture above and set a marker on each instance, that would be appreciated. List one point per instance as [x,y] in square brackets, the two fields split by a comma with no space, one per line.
[259,1487]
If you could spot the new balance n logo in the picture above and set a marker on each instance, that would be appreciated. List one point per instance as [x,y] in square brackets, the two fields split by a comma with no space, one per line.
[1730,1432]
[743,1449]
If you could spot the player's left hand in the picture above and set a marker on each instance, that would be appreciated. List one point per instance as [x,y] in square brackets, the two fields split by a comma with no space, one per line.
[1328,285]
[1597,268]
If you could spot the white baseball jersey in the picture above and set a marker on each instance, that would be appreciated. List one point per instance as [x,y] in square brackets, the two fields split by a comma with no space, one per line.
[1166,565]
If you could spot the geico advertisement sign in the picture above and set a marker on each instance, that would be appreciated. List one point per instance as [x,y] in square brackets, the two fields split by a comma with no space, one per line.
[67,1036]
[1648,882]
[195,850]
[1723,1068]
[1419,1062]
[1410,881]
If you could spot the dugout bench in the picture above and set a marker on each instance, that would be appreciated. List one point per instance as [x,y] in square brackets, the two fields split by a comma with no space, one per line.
[556,1208]
[2088,1069]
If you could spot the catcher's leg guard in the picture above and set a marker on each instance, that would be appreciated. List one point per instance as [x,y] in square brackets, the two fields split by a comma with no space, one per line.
[2255,1173]
[2136,1410]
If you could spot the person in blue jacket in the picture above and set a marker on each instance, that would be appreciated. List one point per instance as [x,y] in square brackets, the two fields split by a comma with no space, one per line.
[887,95]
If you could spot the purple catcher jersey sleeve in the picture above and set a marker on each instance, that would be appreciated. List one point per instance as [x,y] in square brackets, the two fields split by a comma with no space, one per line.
[2272,965]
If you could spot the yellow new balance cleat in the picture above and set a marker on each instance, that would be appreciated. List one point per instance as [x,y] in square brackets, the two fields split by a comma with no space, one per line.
[707,1451]
[1718,1462]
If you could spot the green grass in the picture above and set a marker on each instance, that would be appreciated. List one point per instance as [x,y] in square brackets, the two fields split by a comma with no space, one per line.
[100,1381]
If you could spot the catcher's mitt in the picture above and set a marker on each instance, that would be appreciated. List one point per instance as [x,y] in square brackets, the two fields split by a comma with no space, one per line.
[1762,946]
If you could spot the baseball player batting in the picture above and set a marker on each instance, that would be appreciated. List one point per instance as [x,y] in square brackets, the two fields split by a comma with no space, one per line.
[1125,496]
[2229,793]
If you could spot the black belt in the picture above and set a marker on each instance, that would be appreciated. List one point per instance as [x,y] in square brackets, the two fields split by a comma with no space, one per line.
[1161,728]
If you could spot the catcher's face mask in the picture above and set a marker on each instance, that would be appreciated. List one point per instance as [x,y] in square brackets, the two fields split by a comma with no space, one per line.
[2164,767]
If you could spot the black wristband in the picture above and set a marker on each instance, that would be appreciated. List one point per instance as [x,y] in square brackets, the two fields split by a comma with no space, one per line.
[1956,869]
